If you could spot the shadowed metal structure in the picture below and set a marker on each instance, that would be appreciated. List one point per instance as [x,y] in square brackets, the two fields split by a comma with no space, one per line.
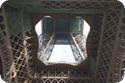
[24,56]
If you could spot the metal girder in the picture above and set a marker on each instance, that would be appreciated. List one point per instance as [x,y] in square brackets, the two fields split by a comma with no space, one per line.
[19,52]
[31,1]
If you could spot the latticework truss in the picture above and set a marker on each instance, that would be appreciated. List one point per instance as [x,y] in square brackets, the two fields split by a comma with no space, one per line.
[105,45]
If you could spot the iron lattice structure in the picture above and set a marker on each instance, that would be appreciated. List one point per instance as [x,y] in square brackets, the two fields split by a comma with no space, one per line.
[105,43]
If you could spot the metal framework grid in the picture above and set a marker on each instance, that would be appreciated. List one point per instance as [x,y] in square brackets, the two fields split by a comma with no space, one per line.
[18,52]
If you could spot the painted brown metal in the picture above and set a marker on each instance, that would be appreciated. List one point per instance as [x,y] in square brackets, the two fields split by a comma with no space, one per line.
[106,43]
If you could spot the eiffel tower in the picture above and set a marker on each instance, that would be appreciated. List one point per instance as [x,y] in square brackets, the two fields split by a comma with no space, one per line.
[61,32]
[99,58]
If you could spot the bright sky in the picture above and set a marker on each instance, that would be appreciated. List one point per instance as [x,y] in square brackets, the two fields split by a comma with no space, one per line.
[68,52]
[60,50]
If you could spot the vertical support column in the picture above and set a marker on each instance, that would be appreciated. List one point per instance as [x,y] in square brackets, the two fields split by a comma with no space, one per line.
[108,45]
[5,50]
[33,64]
[118,52]
[12,52]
